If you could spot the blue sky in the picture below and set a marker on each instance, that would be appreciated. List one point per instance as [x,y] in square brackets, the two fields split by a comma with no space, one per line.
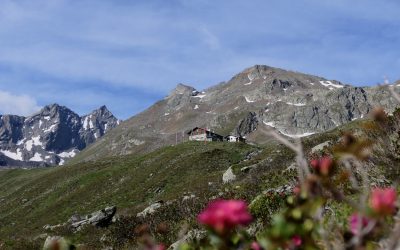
[129,54]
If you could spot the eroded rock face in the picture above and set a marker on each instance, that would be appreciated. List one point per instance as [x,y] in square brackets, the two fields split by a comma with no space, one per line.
[247,125]
[51,136]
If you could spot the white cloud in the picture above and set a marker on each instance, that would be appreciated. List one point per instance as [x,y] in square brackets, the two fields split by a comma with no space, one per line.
[17,104]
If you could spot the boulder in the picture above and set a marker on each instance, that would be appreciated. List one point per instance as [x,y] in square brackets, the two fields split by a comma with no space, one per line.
[150,209]
[192,235]
[320,147]
[101,218]
[228,176]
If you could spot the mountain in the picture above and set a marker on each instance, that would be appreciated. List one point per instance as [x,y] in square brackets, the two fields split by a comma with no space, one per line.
[295,104]
[51,136]
[179,180]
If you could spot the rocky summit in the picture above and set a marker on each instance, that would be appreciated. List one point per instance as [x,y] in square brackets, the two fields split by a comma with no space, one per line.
[293,103]
[51,136]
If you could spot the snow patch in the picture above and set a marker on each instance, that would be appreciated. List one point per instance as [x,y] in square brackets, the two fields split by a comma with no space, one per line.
[196,106]
[271,124]
[13,155]
[35,141]
[166,114]
[296,104]
[86,123]
[36,157]
[51,128]
[251,77]
[20,142]
[47,118]
[91,125]
[248,100]
[200,96]
[67,154]
[331,85]
[298,135]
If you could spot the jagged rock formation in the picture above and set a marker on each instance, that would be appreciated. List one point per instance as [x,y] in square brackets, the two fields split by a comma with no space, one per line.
[293,103]
[51,136]
[247,125]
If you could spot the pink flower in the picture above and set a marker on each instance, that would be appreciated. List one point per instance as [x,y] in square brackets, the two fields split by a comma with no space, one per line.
[322,166]
[297,241]
[296,190]
[255,246]
[356,221]
[224,215]
[383,201]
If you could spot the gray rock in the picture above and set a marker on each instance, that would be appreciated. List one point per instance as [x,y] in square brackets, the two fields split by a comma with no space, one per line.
[228,176]
[247,125]
[320,147]
[192,235]
[150,209]
[100,218]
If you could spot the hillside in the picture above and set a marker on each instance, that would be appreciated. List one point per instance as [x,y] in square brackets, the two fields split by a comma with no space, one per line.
[293,103]
[31,199]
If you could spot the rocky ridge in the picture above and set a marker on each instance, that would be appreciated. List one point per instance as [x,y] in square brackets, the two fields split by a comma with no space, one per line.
[51,136]
[293,103]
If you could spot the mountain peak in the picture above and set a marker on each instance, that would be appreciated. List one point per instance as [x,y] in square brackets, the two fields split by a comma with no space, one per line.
[102,110]
[182,89]
[51,136]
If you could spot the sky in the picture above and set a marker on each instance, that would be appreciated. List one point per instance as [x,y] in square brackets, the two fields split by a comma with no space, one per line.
[129,54]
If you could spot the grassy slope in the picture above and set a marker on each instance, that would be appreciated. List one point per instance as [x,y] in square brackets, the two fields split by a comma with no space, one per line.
[128,182]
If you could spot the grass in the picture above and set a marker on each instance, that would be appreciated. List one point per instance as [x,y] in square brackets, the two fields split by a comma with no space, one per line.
[30,199]
[34,198]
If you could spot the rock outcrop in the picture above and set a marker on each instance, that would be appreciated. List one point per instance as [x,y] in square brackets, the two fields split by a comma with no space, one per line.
[247,125]
[101,218]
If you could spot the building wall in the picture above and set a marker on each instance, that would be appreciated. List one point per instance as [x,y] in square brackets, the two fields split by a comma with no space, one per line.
[200,137]
[232,139]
